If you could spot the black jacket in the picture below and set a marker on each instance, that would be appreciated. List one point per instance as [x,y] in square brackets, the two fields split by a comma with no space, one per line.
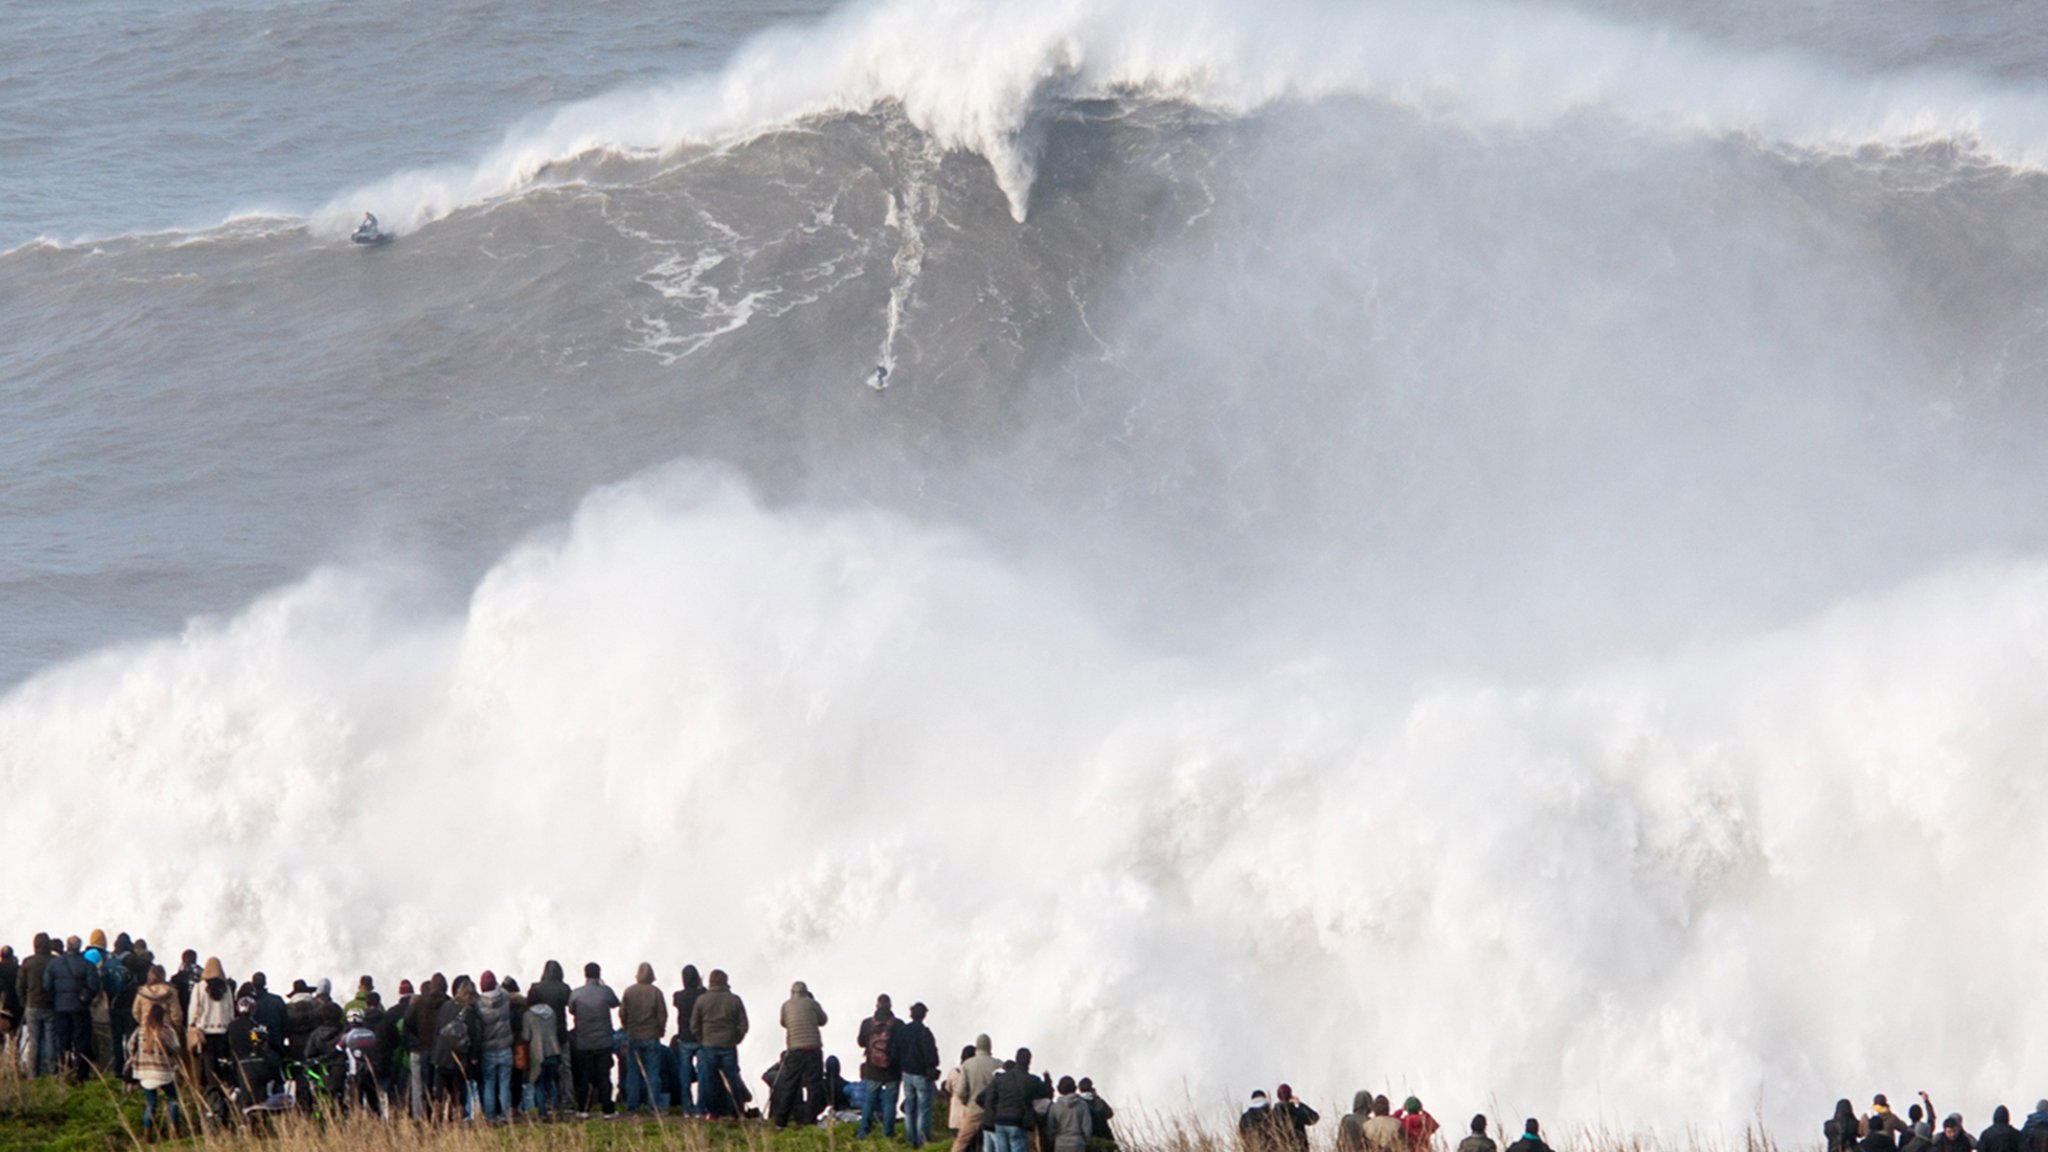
[685,999]
[1009,1098]
[2001,1138]
[914,1050]
[553,991]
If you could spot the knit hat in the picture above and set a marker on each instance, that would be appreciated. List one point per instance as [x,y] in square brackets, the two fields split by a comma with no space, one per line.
[405,987]
[488,981]
[325,987]
[1411,1105]
[98,939]
[1284,1092]
[1259,1098]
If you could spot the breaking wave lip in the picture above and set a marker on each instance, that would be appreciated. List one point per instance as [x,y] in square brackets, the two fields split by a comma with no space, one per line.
[981,78]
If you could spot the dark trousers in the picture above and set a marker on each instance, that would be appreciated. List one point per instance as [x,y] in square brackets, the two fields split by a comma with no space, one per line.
[803,1074]
[721,1091]
[591,1073]
[74,1042]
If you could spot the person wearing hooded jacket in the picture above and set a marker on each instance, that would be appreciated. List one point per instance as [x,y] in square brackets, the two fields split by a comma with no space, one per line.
[977,1072]
[551,989]
[686,1043]
[643,1013]
[1068,1121]
[2034,1133]
[719,1020]
[209,1010]
[2001,1136]
[543,1056]
[801,1074]
[1099,1114]
[1260,1128]
[1532,1138]
[456,1036]
[1351,1126]
[494,1043]
[1417,1125]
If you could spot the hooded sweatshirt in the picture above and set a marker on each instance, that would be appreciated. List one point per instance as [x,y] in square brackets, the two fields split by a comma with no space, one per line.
[685,1000]
[1070,1123]
[212,1006]
[494,1015]
[802,1017]
[553,991]
[977,1072]
[643,1011]
[1351,1129]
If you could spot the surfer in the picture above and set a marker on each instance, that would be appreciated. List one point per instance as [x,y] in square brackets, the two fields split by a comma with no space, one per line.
[368,232]
[881,377]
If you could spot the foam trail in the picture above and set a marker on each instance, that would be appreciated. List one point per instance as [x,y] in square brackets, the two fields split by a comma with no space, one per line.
[851,750]
[974,75]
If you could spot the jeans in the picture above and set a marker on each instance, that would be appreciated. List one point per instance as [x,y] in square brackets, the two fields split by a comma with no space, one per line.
[1008,1138]
[497,1073]
[881,1094]
[686,1076]
[73,1050]
[170,1093]
[917,1109]
[641,1078]
[547,1087]
[42,1039]
[719,1087]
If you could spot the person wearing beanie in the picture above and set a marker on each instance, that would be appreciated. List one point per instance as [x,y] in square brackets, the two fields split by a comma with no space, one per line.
[1478,1141]
[1418,1126]
[719,1021]
[494,1016]
[1298,1116]
[591,1041]
[800,1092]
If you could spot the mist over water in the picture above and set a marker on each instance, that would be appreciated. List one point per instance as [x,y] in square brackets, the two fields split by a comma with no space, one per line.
[1492,554]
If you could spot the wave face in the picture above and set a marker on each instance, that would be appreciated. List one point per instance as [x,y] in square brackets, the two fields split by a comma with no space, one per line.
[1543,610]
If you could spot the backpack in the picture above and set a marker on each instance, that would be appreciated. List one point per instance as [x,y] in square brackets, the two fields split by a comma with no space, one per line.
[876,1054]
[455,1034]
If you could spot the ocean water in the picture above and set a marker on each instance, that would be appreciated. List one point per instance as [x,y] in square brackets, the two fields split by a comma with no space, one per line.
[1485,550]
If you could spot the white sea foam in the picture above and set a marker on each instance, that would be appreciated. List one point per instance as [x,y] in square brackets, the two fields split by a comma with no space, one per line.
[974,73]
[851,750]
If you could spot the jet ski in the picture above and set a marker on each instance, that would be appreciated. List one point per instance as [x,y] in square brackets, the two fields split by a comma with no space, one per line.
[368,233]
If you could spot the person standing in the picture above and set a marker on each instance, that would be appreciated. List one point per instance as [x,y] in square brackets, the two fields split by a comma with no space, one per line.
[543,1056]
[39,1017]
[915,1052]
[209,1010]
[494,1019]
[1068,1120]
[457,1032]
[719,1019]
[977,1072]
[1382,1132]
[1010,1105]
[591,1041]
[1532,1138]
[1099,1113]
[554,991]
[1478,1141]
[801,1075]
[1296,1117]
[72,982]
[1417,1125]
[643,1013]
[878,1071]
[686,1042]
[153,1056]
